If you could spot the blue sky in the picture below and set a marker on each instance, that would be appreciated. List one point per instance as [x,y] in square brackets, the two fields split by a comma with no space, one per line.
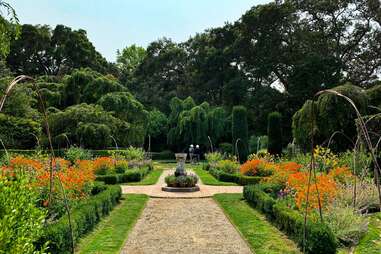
[114,24]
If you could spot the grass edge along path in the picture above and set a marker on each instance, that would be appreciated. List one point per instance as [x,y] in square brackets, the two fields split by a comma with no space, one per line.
[149,179]
[111,233]
[262,237]
[207,179]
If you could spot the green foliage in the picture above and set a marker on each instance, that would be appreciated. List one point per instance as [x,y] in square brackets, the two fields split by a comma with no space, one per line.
[134,175]
[374,95]
[157,123]
[226,148]
[227,166]
[213,158]
[9,27]
[240,131]
[181,181]
[331,114]
[21,222]
[274,133]
[85,216]
[234,178]
[77,153]
[94,135]
[320,238]
[18,132]
[135,153]
[347,226]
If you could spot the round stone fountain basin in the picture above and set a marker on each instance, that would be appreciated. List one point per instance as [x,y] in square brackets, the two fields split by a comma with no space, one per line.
[181,189]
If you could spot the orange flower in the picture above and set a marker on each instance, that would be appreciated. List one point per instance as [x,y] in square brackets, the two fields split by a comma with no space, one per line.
[323,186]
[250,167]
[341,174]
[103,164]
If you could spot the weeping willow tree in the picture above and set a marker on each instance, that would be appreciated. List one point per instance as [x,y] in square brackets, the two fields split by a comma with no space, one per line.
[192,124]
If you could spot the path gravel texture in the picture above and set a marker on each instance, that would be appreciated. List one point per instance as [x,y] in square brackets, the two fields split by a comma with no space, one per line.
[155,190]
[191,226]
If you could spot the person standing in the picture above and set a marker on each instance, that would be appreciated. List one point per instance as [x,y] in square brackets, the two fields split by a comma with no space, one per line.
[197,152]
[191,152]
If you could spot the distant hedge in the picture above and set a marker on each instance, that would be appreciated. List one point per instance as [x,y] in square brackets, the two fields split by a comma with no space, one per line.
[320,238]
[134,175]
[234,178]
[84,217]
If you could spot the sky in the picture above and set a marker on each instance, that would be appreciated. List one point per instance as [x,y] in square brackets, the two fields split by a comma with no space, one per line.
[115,24]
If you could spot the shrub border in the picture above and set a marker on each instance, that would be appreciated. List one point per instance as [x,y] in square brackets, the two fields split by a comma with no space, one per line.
[135,175]
[234,178]
[84,218]
[320,238]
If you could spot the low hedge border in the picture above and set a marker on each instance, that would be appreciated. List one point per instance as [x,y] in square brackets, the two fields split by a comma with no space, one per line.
[135,175]
[320,238]
[84,217]
[234,178]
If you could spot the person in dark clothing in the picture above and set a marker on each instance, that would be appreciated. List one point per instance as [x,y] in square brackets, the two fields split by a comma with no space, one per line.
[197,152]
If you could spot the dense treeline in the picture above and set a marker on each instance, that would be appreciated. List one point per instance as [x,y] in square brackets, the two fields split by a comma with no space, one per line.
[274,58]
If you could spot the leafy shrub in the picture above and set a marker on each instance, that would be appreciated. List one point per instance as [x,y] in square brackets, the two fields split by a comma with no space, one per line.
[84,218]
[21,222]
[227,166]
[77,153]
[234,178]
[348,226]
[274,133]
[133,153]
[213,158]
[121,166]
[320,238]
[189,180]
[164,155]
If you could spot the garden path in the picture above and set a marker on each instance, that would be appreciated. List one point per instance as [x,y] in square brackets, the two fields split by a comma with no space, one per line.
[174,226]
[156,192]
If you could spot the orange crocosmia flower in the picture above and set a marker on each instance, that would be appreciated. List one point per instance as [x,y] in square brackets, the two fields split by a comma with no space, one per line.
[250,167]
[323,186]
[25,163]
[341,174]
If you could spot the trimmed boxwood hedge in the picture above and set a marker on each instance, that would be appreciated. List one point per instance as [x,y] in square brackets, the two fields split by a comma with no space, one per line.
[320,238]
[234,178]
[84,217]
[134,175]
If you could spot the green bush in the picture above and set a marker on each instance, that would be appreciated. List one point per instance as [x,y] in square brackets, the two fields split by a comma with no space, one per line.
[84,218]
[240,131]
[77,153]
[189,180]
[135,175]
[227,166]
[234,178]
[320,238]
[133,153]
[274,133]
[21,222]
[213,158]
[164,155]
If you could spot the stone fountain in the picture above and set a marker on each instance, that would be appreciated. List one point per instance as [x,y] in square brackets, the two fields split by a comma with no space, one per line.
[181,181]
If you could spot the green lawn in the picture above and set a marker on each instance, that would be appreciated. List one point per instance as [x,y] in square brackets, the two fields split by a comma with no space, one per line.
[111,233]
[149,179]
[259,233]
[208,179]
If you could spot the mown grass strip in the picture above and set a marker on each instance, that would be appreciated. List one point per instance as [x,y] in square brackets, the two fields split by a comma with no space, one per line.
[111,233]
[208,179]
[149,179]
[262,237]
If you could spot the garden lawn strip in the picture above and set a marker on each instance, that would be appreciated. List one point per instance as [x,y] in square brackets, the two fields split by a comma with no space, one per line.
[371,242]
[111,233]
[258,232]
[207,179]
[149,179]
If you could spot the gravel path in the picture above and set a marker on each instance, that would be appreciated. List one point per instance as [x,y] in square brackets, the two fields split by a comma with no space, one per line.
[184,226]
[155,190]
